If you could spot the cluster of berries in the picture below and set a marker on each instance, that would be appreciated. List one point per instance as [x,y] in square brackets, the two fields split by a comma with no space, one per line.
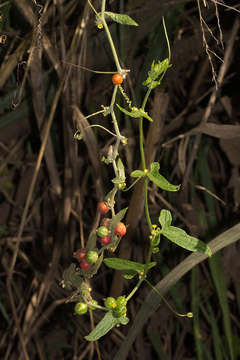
[87,258]
[118,306]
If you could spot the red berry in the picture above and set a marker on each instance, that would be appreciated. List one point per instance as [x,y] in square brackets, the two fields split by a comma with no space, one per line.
[117,79]
[85,265]
[106,240]
[103,207]
[120,229]
[80,254]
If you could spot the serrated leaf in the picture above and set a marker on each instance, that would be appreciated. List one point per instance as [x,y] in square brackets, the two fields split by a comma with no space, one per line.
[103,327]
[137,173]
[135,113]
[181,238]
[129,274]
[121,18]
[118,217]
[165,218]
[122,264]
[160,180]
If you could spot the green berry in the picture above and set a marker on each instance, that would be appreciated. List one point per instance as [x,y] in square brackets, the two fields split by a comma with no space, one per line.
[92,257]
[80,308]
[120,311]
[102,231]
[110,303]
[121,301]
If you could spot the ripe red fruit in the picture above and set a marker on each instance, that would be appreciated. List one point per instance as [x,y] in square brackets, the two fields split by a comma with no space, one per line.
[120,229]
[103,207]
[117,79]
[80,254]
[106,240]
[84,264]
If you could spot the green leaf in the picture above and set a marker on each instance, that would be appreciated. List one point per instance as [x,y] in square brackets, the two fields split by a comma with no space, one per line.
[103,327]
[122,264]
[181,238]
[118,217]
[135,113]
[151,264]
[121,18]
[121,170]
[160,180]
[129,274]
[137,173]
[71,278]
[165,218]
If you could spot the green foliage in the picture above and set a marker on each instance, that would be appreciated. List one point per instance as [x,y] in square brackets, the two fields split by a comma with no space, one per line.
[120,18]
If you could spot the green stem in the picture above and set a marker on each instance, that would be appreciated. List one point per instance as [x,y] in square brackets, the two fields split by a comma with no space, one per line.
[109,36]
[146,204]
[135,289]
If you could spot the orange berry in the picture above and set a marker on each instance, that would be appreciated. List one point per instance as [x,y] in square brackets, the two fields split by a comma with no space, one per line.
[117,79]
[120,229]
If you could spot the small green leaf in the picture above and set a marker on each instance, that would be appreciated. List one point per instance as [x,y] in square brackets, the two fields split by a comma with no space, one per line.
[121,18]
[165,218]
[135,113]
[137,173]
[129,274]
[181,238]
[151,265]
[122,264]
[160,180]
[103,327]
[121,170]
[72,278]
[118,217]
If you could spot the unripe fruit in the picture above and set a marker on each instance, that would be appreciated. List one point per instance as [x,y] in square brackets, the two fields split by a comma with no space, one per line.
[110,303]
[102,231]
[103,207]
[85,265]
[80,308]
[120,311]
[121,301]
[106,240]
[120,229]
[80,254]
[92,257]
[117,79]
